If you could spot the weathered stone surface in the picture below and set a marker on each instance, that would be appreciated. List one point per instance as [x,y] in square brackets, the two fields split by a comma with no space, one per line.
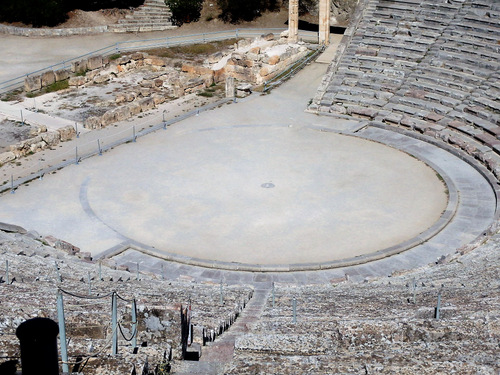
[32,83]
[79,66]
[5,157]
[62,74]
[146,104]
[122,113]
[155,61]
[196,70]
[158,99]
[134,108]
[77,81]
[108,118]
[51,138]
[268,37]
[92,122]
[120,98]
[137,56]
[94,62]
[273,60]
[66,133]
[101,78]
[48,78]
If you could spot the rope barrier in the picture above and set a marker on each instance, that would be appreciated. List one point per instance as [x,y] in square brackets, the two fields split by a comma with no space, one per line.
[124,299]
[86,296]
[123,334]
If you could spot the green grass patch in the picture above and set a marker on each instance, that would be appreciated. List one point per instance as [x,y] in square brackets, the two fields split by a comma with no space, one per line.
[115,56]
[57,86]
[193,50]
[206,94]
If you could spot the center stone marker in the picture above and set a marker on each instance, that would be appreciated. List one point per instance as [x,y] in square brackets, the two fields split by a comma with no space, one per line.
[269,195]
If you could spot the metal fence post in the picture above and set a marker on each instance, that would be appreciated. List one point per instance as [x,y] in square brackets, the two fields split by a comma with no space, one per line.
[135,325]
[12,191]
[438,307]
[100,271]
[114,325]
[273,294]
[76,155]
[133,134]
[221,293]
[294,305]
[62,331]
[99,147]
[57,272]
[90,283]
[7,272]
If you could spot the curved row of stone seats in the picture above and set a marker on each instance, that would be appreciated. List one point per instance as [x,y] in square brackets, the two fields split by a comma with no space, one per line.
[429,66]
[32,289]
[153,15]
[384,325]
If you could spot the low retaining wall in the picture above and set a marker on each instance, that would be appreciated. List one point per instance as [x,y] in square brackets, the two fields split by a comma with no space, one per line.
[28,31]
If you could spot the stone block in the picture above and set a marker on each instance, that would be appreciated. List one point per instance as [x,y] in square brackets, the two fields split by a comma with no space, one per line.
[51,138]
[146,104]
[48,78]
[273,60]
[122,113]
[158,99]
[92,122]
[79,66]
[62,74]
[108,118]
[66,133]
[154,61]
[137,56]
[101,78]
[94,62]
[77,81]
[268,37]
[32,83]
[134,108]
[6,157]
[120,98]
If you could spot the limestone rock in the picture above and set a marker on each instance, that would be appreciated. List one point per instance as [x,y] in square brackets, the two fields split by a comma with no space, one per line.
[62,74]
[108,118]
[122,113]
[79,66]
[101,78]
[77,81]
[66,133]
[92,122]
[48,78]
[51,138]
[5,157]
[94,62]
[146,104]
[134,108]
[32,83]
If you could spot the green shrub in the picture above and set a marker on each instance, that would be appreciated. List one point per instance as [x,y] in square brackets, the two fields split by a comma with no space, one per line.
[185,11]
[235,11]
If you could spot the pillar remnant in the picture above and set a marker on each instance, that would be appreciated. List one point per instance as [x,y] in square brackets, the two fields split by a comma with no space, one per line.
[293,21]
[324,22]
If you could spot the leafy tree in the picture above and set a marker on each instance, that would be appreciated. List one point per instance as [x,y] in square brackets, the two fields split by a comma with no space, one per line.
[235,11]
[53,12]
[185,11]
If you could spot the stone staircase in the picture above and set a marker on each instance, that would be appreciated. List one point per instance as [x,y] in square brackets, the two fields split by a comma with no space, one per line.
[153,15]
[216,355]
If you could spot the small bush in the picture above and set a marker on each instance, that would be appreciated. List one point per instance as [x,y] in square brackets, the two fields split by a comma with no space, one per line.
[185,11]
[235,11]
[115,56]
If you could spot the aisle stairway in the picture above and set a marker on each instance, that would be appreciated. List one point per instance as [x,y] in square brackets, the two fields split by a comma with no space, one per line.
[216,355]
[153,15]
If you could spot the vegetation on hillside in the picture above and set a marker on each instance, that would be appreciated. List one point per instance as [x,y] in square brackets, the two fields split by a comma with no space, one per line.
[235,11]
[185,11]
[53,12]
